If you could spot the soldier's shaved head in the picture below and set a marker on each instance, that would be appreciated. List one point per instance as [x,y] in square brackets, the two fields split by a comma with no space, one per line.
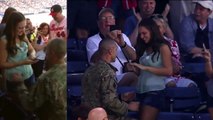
[58,46]
[97,114]
[105,45]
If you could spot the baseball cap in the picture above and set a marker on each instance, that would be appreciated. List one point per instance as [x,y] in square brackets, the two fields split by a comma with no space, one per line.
[208,4]
[55,9]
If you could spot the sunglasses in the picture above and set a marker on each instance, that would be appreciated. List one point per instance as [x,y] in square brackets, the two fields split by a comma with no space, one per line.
[156,16]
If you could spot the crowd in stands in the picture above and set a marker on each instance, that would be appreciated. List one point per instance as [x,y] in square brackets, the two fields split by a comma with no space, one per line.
[143,35]
[30,6]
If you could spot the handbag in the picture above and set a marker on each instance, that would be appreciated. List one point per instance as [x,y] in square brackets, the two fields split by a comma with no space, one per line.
[127,67]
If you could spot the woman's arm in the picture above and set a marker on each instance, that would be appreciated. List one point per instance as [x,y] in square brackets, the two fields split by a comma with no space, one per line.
[4,64]
[38,47]
[166,70]
[31,50]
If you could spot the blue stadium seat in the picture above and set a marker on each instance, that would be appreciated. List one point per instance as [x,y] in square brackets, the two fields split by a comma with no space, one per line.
[74,90]
[183,99]
[196,72]
[72,44]
[193,67]
[76,55]
[122,89]
[74,78]
[176,116]
[77,66]
[82,44]
[203,116]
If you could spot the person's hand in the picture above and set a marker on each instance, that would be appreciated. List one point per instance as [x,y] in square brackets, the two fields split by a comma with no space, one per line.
[197,55]
[116,35]
[166,11]
[207,55]
[196,50]
[137,15]
[32,56]
[17,78]
[30,61]
[134,106]
[128,96]
[140,66]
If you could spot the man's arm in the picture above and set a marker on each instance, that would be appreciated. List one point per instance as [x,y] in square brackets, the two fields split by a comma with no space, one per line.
[187,37]
[123,41]
[128,50]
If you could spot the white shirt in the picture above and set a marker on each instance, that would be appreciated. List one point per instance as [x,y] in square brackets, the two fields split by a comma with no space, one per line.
[41,54]
[92,47]
[57,29]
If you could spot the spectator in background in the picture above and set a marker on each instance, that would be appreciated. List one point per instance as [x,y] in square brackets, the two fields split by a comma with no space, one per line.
[155,65]
[58,26]
[209,71]
[105,21]
[97,114]
[146,9]
[30,30]
[175,79]
[99,84]
[16,53]
[39,45]
[196,31]
[122,9]
[82,18]
[7,13]
[178,10]
[48,98]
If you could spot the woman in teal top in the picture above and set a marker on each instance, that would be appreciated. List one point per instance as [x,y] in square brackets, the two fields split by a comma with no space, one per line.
[155,65]
[16,52]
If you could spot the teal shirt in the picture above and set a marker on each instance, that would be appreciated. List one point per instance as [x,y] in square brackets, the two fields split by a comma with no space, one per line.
[149,81]
[25,70]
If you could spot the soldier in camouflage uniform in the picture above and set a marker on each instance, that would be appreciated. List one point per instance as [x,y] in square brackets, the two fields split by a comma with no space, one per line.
[48,96]
[99,83]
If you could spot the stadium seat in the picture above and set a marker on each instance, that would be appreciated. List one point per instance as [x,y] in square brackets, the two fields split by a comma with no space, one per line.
[74,90]
[203,116]
[74,78]
[82,44]
[72,44]
[76,55]
[125,89]
[76,66]
[176,116]
[183,99]
[193,67]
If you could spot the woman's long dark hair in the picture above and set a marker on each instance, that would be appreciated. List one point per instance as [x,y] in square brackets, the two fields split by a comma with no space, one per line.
[10,31]
[156,39]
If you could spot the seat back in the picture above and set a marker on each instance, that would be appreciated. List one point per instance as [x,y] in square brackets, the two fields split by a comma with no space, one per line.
[183,99]
[77,66]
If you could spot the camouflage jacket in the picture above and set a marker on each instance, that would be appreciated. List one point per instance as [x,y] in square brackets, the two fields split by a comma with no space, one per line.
[99,90]
[48,97]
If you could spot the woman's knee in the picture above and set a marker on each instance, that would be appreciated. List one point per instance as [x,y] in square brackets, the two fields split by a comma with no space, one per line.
[171,84]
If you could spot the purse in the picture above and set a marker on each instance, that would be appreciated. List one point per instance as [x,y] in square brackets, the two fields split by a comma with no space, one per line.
[127,67]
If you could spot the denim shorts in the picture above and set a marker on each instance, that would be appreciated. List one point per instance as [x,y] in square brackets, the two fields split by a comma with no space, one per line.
[11,87]
[154,99]
[210,102]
